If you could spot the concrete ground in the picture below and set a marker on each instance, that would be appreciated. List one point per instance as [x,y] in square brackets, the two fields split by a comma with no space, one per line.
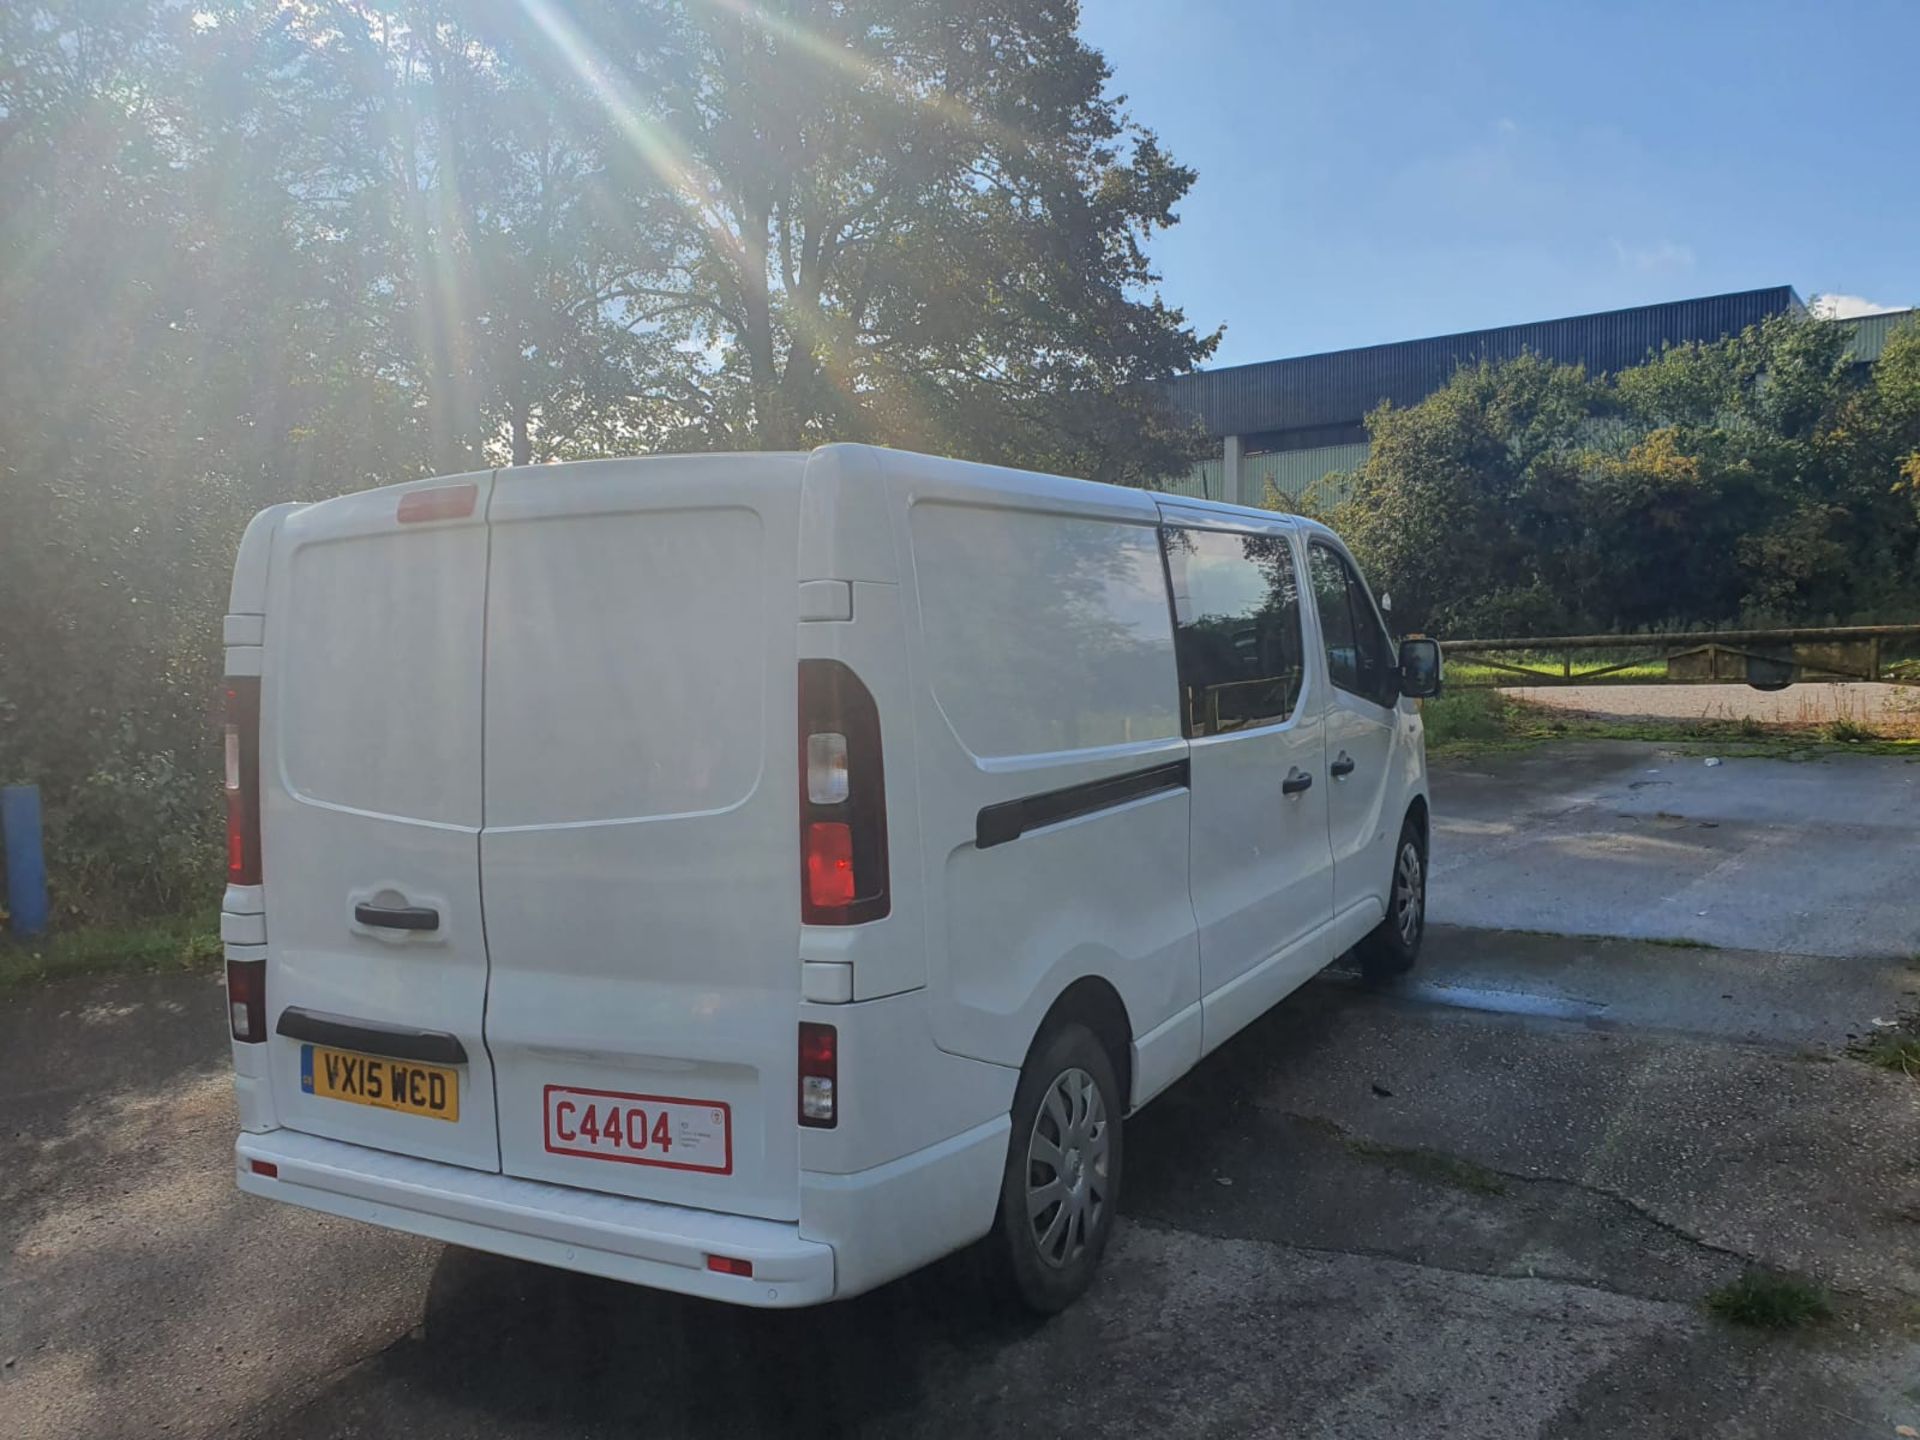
[1486,1203]
[1889,709]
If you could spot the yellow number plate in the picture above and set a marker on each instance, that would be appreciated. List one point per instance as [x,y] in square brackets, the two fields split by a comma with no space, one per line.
[403,1085]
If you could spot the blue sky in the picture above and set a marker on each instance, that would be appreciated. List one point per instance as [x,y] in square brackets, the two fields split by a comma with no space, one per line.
[1379,171]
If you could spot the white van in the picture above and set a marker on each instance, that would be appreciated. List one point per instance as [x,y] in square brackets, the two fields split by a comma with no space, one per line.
[759,875]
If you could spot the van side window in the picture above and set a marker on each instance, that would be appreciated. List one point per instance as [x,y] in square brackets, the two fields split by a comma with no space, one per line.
[1359,655]
[1236,612]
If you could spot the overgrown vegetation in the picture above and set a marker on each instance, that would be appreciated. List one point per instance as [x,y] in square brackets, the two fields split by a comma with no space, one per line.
[1770,1300]
[1469,721]
[189,941]
[254,252]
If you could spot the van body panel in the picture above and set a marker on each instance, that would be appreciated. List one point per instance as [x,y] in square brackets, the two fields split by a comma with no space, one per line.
[639,857]
[881,1041]
[1043,662]
[1260,866]
[1262,870]
[1372,734]
[846,522]
[370,793]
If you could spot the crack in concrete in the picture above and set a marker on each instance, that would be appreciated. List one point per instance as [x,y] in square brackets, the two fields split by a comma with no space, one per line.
[1533,1275]
[1356,1143]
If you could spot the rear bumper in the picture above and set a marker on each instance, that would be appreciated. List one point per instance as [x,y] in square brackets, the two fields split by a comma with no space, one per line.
[639,1241]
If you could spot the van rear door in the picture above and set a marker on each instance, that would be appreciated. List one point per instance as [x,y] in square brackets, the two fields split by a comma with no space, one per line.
[370,821]
[641,857]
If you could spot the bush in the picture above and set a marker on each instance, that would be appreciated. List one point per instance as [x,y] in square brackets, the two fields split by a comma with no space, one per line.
[140,835]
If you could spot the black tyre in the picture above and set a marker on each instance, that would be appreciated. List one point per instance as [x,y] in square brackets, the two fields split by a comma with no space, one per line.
[1062,1181]
[1394,944]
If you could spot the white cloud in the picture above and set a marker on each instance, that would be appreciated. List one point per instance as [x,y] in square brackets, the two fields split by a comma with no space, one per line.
[1848,307]
[1665,257]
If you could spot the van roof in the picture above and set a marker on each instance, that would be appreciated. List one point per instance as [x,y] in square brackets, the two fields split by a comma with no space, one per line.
[1252,512]
[792,463]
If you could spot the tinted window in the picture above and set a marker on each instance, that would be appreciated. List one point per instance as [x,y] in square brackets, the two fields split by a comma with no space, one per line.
[1360,657]
[1044,632]
[1236,610]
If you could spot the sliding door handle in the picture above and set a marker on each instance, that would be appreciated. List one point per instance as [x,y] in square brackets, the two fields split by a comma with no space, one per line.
[1342,767]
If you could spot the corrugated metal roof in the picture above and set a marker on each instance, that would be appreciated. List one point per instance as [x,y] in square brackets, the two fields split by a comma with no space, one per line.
[1342,386]
[1870,333]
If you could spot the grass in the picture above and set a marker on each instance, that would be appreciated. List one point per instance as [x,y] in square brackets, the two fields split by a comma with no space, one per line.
[176,943]
[1770,1300]
[1468,718]
[1475,720]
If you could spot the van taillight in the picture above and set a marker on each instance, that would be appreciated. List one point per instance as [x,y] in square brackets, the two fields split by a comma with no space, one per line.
[247,1000]
[243,780]
[819,1075]
[843,799]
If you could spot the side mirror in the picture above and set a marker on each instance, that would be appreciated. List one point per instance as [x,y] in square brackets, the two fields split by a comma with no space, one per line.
[1420,668]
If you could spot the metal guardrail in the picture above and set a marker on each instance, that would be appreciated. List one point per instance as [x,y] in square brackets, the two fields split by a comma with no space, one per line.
[1765,659]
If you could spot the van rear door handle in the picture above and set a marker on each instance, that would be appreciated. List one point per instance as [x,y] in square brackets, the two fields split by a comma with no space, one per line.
[1342,767]
[1296,781]
[397,917]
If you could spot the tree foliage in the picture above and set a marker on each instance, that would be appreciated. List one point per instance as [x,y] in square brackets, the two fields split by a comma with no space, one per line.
[1761,479]
[254,251]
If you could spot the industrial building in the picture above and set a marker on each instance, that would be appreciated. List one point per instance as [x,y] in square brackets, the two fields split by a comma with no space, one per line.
[1287,423]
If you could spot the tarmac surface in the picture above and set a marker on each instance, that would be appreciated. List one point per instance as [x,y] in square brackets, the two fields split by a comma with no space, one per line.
[1487,1202]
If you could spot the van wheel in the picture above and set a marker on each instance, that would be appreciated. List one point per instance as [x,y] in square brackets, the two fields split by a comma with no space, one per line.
[1394,944]
[1062,1181]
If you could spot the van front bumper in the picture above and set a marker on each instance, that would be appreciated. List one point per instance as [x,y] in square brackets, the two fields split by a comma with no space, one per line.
[639,1241]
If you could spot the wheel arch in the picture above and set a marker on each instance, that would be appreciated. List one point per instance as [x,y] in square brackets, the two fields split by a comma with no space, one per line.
[1092,1001]
[1417,812]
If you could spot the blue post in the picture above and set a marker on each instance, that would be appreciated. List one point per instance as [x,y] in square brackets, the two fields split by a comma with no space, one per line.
[26,863]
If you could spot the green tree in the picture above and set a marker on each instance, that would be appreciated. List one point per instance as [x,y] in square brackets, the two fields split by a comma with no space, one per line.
[898,220]
[1758,479]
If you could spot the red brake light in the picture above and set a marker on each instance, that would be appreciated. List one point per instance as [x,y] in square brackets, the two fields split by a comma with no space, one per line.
[243,780]
[438,502]
[829,866]
[843,799]
[247,1000]
[819,1075]
[727,1265]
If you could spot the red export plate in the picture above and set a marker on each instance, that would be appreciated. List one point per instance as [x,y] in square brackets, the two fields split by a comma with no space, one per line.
[663,1130]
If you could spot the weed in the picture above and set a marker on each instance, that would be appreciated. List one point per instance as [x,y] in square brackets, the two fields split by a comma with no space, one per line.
[1891,1050]
[1770,1300]
[1842,731]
